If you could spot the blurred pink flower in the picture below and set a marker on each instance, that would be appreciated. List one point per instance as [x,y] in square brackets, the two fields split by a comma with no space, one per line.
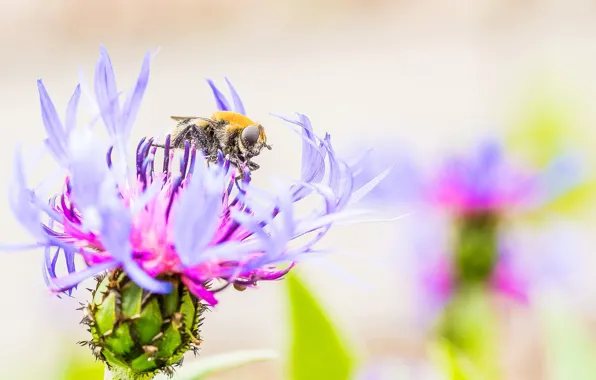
[462,192]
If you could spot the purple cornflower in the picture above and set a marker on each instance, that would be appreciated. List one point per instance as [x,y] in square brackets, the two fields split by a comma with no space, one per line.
[471,195]
[173,216]
[484,182]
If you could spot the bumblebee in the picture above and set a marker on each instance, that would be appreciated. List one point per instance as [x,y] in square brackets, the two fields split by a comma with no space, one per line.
[233,133]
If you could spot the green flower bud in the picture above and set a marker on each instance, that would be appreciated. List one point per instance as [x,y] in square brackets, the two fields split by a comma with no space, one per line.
[137,333]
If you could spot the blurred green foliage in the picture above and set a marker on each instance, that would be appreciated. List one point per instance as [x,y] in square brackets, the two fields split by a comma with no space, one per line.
[452,363]
[317,350]
[545,128]
[201,369]
[570,350]
[465,348]
[80,364]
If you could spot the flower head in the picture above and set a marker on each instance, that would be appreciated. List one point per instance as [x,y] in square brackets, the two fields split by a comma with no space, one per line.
[174,215]
[470,196]
[484,182]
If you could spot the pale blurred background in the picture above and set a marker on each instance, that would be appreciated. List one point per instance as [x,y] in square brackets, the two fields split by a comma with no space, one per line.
[432,75]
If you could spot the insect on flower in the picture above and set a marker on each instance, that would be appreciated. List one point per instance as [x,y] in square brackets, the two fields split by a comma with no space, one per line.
[167,236]
[234,134]
[231,132]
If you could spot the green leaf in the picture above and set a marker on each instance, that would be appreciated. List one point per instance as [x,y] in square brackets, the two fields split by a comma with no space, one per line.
[317,351]
[201,368]
[80,364]
[571,354]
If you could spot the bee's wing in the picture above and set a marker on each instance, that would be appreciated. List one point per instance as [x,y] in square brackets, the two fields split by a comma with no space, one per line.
[180,118]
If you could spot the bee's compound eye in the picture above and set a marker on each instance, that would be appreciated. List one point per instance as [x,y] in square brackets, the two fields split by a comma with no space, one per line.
[250,135]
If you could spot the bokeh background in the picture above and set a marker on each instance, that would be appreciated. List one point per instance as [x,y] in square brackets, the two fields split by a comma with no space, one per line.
[428,76]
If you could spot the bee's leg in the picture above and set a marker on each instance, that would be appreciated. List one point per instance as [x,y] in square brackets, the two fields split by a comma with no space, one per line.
[252,165]
[239,163]
[240,173]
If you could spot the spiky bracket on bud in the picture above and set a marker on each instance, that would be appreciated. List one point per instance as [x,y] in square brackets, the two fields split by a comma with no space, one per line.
[138,334]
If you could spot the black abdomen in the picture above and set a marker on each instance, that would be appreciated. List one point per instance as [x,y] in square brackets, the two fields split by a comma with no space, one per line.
[203,137]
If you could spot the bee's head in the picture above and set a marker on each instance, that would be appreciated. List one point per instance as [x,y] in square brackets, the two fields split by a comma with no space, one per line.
[252,140]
